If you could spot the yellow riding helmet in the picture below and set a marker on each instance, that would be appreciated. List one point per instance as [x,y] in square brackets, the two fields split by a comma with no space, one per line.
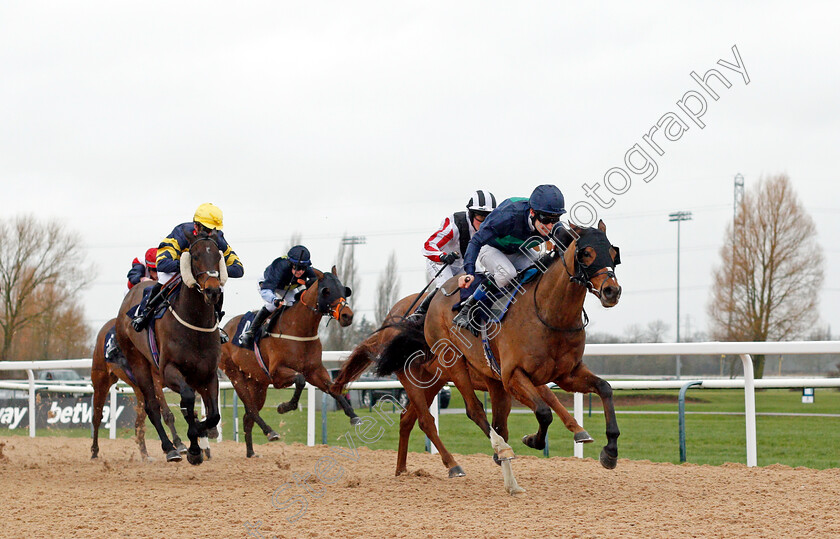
[209,215]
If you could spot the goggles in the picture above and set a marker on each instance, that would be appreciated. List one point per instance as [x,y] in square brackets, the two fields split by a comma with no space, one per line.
[547,218]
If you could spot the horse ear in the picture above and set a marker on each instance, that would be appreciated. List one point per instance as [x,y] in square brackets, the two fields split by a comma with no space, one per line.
[347,291]
[617,259]
[601,226]
[333,271]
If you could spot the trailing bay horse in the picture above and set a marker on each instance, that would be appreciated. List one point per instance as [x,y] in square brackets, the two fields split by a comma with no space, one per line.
[423,380]
[290,352]
[188,340]
[541,340]
[103,375]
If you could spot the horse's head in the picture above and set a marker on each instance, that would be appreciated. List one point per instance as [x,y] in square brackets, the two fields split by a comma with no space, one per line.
[593,259]
[332,298]
[203,266]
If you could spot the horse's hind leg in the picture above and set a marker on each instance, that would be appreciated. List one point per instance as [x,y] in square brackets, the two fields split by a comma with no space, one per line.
[140,422]
[174,378]
[580,434]
[460,376]
[407,421]
[321,379]
[581,380]
[419,398]
[146,384]
[102,380]
[253,405]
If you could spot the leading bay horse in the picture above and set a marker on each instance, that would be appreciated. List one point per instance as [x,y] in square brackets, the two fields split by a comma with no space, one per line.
[103,375]
[541,340]
[187,337]
[423,380]
[291,353]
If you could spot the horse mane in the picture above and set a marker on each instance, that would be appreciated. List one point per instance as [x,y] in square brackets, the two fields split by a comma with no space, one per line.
[409,340]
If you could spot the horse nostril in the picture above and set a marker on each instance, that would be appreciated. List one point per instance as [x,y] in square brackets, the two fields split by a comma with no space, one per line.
[611,292]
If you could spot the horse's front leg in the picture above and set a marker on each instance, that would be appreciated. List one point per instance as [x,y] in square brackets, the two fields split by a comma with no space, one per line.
[210,397]
[320,378]
[581,380]
[581,436]
[173,378]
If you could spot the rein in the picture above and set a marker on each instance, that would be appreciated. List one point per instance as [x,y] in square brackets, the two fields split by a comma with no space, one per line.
[334,313]
[187,324]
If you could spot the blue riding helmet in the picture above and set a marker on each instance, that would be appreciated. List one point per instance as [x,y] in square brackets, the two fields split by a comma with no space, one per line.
[547,199]
[299,256]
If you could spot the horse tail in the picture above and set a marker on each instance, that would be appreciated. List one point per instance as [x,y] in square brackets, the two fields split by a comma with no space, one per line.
[360,358]
[396,353]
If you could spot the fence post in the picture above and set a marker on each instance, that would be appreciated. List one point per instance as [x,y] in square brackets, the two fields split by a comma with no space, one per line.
[235,416]
[31,376]
[310,415]
[578,412]
[749,409]
[112,416]
[681,408]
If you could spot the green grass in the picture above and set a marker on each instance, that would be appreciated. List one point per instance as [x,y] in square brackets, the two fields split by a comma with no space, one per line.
[710,439]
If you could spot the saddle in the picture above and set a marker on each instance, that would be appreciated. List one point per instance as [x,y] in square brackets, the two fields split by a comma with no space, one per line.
[248,319]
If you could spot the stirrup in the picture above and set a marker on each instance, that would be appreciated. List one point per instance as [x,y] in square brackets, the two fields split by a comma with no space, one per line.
[139,322]
[246,339]
[224,336]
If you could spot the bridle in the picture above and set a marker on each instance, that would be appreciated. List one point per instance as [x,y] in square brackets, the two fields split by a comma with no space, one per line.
[581,276]
[322,306]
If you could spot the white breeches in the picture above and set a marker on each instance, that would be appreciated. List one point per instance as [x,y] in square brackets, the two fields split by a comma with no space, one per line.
[502,267]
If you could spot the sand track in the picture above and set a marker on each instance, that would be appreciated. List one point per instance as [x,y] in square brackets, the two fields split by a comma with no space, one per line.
[51,488]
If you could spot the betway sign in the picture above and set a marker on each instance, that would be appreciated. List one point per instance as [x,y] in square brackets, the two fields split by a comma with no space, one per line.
[66,412]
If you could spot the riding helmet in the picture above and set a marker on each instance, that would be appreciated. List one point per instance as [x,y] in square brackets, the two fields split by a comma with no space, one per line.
[547,199]
[481,203]
[151,258]
[209,215]
[299,256]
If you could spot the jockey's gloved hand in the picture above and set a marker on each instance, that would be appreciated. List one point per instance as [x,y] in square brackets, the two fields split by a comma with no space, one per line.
[278,302]
[448,258]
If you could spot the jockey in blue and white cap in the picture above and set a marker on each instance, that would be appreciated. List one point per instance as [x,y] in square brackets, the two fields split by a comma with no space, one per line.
[501,245]
[444,250]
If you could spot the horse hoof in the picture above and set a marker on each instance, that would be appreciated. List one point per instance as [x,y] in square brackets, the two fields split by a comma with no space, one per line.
[583,437]
[496,459]
[607,461]
[355,420]
[456,471]
[94,457]
[253,456]
[195,459]
[213,433]
[207,454]
[173,456]
[147,458]
[181,448]
[531,441]
[284,407]
[272,436]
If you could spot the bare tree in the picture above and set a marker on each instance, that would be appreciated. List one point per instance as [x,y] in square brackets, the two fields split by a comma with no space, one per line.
[387,290]
[41,271]
[294,239]
[767,286]
[656,331]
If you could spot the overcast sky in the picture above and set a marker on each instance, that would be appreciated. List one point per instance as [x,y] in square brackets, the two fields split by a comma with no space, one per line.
[379,118]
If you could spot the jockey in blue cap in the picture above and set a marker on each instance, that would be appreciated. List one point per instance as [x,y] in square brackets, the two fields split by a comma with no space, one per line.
[501,245]
[279,286]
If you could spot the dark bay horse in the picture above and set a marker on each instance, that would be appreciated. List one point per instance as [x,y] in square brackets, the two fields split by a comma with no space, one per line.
[292,353]
[541,340]
[105,374]
[422,380]
[188,339]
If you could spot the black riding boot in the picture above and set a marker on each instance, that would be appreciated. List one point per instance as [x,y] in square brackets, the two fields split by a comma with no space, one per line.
[247,337]
[219,315]
[155,298]
[471,314]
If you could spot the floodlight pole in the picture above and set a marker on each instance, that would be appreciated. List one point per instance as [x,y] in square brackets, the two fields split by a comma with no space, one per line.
[679,217]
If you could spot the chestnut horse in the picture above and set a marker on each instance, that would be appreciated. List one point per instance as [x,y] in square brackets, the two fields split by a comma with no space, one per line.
[291,349]
[105,374]
[188,339]
[541,340]
[423,380]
